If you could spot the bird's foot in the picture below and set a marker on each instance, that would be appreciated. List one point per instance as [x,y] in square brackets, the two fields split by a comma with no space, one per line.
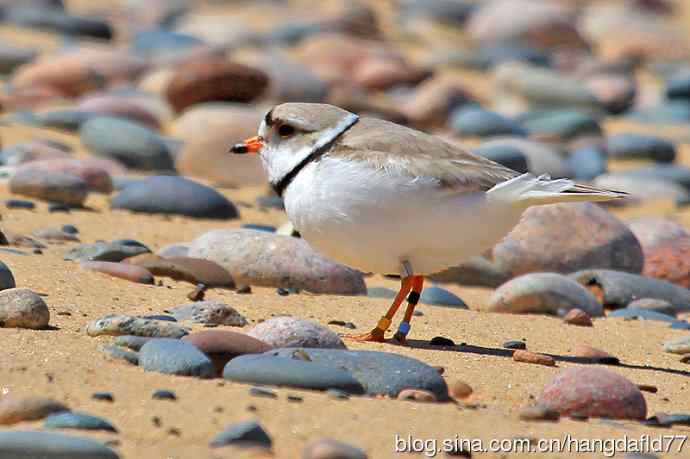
[376,335]
[399,338]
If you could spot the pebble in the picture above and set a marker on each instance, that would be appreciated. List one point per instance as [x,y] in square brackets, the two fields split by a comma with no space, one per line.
[31,444]
[417,395]
[594,392]
[578,317]
[119,107]
[105,251]
[380,373]
[326,448]
[173,356]
[459,389]
[50,186]
[209,313]
[116,325]
[562,125]
[163,394]
[261,392]
[438,296]
[587,163]
[120,270]
[617,289]
[642,188]
[96,172]
[221,346]
[193,270]
[669,172]
[268,260]
[131,341]
[14,408]
[515,344]
[244,434]
[55,235]
[158,41]
[174,196]
[642,314]
[118,353]
[539,413]
[544,293]
[653,304]
[507,155]
[593,354]
[532,357]
[59,21]
[103,396]
[288,331]
[77,420]
[637,146]
[678,346]
[6,277]
[132,144]
[476,121]
[19,204]
[23,308]
[541,158]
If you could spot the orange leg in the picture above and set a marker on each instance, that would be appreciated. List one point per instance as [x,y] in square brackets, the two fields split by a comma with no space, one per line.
[377,334]
[404,327]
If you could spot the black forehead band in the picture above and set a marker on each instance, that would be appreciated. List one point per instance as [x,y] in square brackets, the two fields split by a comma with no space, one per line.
[268,118]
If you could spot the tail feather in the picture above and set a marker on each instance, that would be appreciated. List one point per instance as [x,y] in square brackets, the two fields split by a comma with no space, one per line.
[530,190]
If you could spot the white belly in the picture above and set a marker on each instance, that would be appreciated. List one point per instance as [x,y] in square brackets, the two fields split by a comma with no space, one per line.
[374,221]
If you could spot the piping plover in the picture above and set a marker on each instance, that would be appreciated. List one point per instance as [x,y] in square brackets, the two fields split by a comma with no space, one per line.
[388,199]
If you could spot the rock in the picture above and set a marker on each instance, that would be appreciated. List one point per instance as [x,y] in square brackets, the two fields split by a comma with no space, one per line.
[20,204]
[193,270]
[116,325]
[515,344]
[103,396]
[12,57]
[666,247]
[244,434]
[14,409]
[117,353]
[594,355]
[562,125]
[6,277]
[616,289]
[209,312]
[175,250]
[33,150]
[417,395]
[173,356]
[221,346]
[380,373]
[637,146]
[459,389]
[118,107]
[158,41]
[120,270]
[678,86]
[67,119]
[58,20]
[50,186]
[669,172]
[76,420]
[678,346]
[616,92]
[207,156]
[642,188]
[653,304]
[578,317]
[162,394]
[539,413]
[290,372]
[31,444]
[95,172]
[434,100]
[438,296]
[541,159]
[594,392]
[22,308]
[544,293]
[671,112]
[105,251]
[643,314]
[326,448]
[131,341]
[507,155]
[132,144]
[55,235]
[287,331]
[476,121]
[263,259]
[215,80]
[176,196]
[532,357]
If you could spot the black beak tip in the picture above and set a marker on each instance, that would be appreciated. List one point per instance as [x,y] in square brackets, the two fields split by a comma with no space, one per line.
[238,149]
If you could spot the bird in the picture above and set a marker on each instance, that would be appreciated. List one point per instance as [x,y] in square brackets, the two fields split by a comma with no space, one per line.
[385,198]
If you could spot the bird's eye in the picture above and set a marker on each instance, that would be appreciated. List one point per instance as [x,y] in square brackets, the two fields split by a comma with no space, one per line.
[285,130]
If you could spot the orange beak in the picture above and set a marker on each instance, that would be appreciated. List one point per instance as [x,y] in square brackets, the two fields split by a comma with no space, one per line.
[252,145]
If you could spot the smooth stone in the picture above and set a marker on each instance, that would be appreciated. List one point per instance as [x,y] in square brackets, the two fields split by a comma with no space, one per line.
[507,155]
[381,292]
[50,186]
[578,317]
[125,271]
[244,434]
[288,331]
[6,277]
[542,293]
[678,346]
[94,171]
[193,270]
[163,317]
[642,314]
[259,227]
[59,21]
[594,355]
[176,196]
[77,420]
[515,344]
[459,389]
[290,80]
[104,251]
[132,144]
[12,57]
[433,100]
[269,260]
[672,112]
[616,289]
[438,296]
[678,86]
[587,163]
[116,325]
[666,247]
[19,204]
[103,396]
[14,408]
[261,392]
[637,146]
[641,188]
[669,420]
[66,119]
[326,448]
[119,107]
[209,312]
[290,372]
[380,373]
[221,346]
[174,250]
[173,356]
[476,121]
[31,444]
[653,304]
[541,158]
[33,150]
[670,172]
[562,125]
[23,308]
[215,80]
[55,235]
[534,358]
[118,353]
[594,392]
[416,395]
[158,41]
[539,413]
[162,394]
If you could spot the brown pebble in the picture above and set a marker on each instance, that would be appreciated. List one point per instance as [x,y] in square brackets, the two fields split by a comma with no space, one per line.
[193,270]
[121,270]
[532,357]
[685,358]
[198,293]
[14,409]
[578,317]
[459,389]
[589,352]
[648,388]
[539,413]
[417,395]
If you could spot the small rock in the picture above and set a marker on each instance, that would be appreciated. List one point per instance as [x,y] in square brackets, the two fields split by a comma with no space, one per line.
[287,331]
[6,277]
[55,235]
[678,346]
[173,356]
[23,308]
[118,353]
[636,146]
[120,270]
[76,420]
[19,204]
[162,394]
[459,389]
[578,317]
[33,444]
[539,413]
[58,187]
[475,121]
[105,251]
[532,357]
[14,409]
[326,448]
[417,395]
[587,163]
[261,392]
[193,270]
[653,304]
[132,342]
[244,434]
[94,171]
[209,312]
[514,344]
[104,396]
[508,155]
[594,354]
[438,296]
[223,345]
[116,325]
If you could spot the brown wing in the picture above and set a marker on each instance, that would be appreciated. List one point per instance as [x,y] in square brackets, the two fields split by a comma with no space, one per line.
[399,149]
